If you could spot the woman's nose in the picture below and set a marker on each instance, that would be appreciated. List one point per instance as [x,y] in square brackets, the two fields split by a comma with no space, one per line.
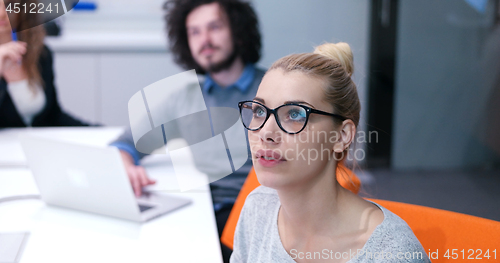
[270,132]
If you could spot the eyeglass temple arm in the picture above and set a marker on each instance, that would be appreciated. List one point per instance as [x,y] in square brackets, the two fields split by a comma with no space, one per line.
[328,114]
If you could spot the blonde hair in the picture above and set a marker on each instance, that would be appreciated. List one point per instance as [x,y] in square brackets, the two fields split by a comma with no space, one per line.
[333,63]
[340,52]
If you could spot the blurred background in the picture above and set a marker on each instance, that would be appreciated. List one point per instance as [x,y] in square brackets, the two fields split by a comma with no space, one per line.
[428,76]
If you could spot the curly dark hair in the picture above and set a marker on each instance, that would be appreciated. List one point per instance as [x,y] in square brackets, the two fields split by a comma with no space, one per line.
[243,23]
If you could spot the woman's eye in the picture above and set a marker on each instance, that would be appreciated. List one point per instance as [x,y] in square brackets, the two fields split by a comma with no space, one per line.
[296,115]
[259,112]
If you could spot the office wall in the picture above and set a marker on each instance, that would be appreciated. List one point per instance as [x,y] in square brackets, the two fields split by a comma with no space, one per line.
[129,7]
[447,88]
[287,26]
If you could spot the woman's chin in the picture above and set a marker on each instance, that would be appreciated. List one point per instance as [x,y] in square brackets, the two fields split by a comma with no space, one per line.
[271,179]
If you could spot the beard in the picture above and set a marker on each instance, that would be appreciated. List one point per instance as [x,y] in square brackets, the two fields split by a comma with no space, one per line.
[224,64]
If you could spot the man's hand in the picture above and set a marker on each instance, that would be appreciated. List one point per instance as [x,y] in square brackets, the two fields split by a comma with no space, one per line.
[136,174]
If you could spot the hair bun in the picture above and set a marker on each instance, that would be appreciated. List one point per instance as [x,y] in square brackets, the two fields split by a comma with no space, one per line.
[341,52]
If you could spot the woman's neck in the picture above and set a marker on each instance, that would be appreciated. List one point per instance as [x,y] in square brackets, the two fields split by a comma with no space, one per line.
[313,208]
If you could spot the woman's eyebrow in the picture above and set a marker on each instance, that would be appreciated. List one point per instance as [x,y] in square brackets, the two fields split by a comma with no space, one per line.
[299,102]
[259,99]
[286,102]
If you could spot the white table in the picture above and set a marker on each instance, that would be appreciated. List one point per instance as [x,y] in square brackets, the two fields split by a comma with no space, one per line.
[64,235]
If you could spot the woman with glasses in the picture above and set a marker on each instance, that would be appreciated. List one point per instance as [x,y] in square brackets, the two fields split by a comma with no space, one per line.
[27,92]
[300,127]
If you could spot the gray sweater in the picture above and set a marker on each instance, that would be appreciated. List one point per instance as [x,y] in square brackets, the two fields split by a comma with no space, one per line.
[257,238]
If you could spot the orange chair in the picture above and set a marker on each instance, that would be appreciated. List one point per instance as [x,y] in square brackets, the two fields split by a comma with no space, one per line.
[449,236]
[228,232]
[446,236]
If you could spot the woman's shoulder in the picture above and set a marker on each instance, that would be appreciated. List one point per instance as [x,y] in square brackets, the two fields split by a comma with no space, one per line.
[256,215]
[264,194]
[394,222]
[256,238]
[46,53]
[45,64]
[261,200]
[394,237]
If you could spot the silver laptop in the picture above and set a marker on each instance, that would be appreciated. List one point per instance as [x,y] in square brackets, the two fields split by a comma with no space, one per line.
[90,179]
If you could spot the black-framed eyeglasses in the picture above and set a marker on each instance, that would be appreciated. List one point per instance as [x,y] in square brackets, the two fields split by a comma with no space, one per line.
[291,118]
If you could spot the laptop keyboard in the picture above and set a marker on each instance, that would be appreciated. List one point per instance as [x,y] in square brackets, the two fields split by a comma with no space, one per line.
[144,208]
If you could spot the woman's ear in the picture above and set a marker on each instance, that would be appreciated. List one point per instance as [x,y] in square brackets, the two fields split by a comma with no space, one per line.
[347,132]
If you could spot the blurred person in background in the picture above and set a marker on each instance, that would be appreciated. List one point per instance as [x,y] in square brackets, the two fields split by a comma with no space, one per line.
[27,93]
[220,39]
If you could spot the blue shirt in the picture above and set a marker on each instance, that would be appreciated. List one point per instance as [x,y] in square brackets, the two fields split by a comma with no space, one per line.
[243,83]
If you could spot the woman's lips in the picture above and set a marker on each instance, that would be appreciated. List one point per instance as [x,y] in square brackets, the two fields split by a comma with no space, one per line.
[269,158]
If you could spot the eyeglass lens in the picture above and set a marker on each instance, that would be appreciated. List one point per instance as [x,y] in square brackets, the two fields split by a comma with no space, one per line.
[291,117]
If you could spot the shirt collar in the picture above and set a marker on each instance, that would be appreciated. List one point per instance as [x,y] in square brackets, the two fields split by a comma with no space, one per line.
[243,83]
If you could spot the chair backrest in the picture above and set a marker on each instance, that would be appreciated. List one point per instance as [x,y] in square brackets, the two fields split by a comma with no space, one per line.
[445,235]
[345,177]
[449,236]
[228,233]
